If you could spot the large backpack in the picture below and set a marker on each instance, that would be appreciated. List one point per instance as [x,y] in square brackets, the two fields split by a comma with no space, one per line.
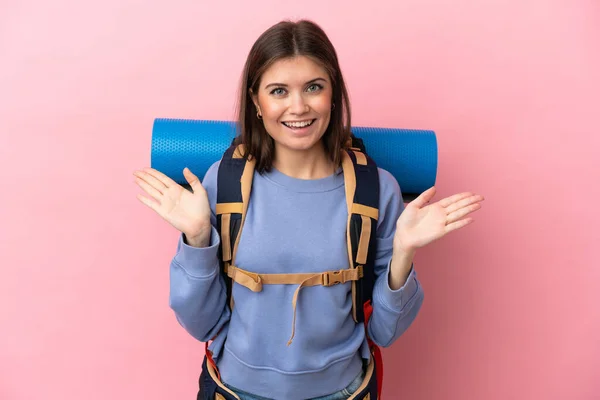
[361,180]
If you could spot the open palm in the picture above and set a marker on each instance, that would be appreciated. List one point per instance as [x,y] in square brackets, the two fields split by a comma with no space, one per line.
[186,211]
[421,223]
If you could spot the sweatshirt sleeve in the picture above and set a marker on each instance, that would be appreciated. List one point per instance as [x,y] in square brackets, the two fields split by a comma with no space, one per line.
[198,294]
[393,310]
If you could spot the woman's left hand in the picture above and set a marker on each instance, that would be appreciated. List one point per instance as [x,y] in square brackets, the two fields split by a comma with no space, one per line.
[421,223]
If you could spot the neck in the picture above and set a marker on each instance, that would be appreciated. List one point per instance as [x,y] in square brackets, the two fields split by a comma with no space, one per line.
[308,164]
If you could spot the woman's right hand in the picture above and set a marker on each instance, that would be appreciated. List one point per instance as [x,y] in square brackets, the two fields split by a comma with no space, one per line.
[186,211]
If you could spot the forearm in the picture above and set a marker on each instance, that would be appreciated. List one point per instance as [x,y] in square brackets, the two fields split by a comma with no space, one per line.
[400,268]
[199,303]
[394,310]
[197,291]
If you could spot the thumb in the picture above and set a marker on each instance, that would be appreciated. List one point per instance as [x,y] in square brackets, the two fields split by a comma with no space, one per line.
[424,198]
[191,179]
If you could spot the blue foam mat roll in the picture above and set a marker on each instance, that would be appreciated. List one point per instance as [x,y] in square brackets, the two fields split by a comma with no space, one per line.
[409,155]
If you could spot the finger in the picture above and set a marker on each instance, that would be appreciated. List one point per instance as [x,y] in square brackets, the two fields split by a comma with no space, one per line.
[149,189]
[458,224]
[464,203]
[424,197]
[152,181]
[153,205]
[192,179]
[458,214]
[452,199]
[165,180]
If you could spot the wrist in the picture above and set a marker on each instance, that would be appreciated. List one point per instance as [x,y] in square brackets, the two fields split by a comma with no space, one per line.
[403,247]
[405,251]
[199,239]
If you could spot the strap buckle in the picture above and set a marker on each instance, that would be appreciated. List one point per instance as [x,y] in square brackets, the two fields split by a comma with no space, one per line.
[331,278]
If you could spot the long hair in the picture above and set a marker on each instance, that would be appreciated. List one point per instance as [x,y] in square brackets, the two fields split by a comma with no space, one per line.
[288,39]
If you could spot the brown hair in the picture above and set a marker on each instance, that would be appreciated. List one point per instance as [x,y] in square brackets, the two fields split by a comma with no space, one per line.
[284,40]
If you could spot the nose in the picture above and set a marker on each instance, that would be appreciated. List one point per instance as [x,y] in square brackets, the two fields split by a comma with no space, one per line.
[298,104]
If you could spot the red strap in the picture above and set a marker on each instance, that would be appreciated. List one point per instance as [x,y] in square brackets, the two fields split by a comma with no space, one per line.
[211,361]
[368,310]
[379,366]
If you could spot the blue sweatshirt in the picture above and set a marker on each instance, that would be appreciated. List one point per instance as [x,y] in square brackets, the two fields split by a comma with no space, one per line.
[292,226]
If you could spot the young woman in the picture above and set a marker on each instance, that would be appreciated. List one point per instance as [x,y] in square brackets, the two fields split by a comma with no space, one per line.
[294,116]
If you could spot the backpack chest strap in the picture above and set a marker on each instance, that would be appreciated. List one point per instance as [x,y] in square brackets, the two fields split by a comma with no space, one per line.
[254,282]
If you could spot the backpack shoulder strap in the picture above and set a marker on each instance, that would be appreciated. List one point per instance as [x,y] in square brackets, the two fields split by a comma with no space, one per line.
[361,180]
[234,184]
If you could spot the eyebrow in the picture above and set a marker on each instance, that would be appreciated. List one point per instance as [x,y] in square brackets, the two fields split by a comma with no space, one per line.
[284,85]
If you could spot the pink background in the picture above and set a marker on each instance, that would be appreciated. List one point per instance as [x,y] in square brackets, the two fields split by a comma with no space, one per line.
[510,87]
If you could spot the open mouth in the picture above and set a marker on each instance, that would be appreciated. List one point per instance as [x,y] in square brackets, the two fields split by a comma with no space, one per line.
[299,125]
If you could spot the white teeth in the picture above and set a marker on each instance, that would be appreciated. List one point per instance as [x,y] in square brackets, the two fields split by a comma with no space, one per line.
[298,124]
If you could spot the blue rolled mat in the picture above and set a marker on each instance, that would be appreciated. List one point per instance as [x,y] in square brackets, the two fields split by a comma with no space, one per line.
[409,155]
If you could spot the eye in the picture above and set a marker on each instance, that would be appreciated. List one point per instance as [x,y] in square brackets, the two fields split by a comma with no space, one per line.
[278,91]
[314,87]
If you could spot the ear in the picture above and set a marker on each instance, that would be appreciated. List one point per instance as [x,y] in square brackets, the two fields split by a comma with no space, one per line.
[254,98]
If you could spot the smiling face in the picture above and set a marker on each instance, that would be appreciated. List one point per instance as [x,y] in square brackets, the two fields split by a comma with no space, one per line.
[294,99]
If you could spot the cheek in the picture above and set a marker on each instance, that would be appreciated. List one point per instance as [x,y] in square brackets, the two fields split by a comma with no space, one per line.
[322,105]
[271,109]
[272,113]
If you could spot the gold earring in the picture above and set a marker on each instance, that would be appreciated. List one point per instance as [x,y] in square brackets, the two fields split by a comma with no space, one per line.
[258,115]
